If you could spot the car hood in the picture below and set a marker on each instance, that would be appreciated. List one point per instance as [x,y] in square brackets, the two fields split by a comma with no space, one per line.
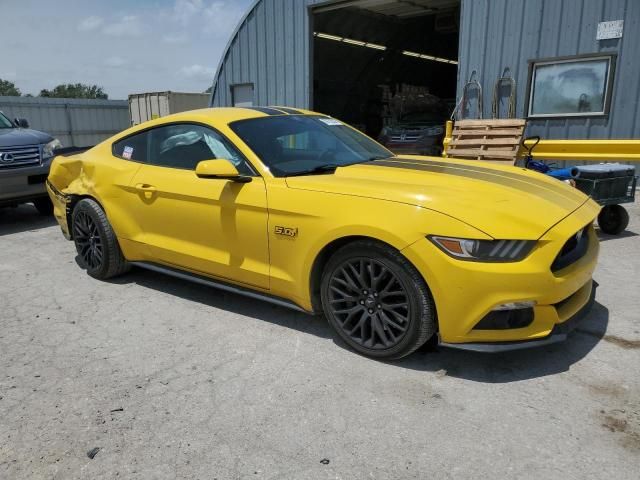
[17,137]
[503,202]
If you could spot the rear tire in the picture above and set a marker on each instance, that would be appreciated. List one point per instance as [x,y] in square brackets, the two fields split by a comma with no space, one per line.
[613,219]
[44,206]
[96,243]
[377,301]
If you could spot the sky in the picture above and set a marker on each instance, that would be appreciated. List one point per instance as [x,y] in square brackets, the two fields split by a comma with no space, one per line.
[124,46]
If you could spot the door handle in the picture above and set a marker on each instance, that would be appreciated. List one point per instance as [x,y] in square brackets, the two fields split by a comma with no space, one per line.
[146,188]
[148,191]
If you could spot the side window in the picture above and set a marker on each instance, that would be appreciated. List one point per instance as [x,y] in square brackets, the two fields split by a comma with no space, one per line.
[132,148]
[184,145]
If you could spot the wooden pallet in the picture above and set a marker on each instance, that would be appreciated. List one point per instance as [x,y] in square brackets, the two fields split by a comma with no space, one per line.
[489,140]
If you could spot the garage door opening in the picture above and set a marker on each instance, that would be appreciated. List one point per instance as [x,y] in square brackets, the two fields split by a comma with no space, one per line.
[388,67]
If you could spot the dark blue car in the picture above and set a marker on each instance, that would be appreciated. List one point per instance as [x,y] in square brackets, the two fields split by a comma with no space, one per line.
[25,158]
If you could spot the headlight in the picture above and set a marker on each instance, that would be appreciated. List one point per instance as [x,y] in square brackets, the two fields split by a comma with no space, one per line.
[49,149]
[484,250]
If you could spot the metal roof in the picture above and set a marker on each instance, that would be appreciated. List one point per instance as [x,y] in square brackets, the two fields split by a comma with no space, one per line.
[395,8]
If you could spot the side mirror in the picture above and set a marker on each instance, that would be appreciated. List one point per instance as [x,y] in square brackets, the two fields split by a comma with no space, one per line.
[221,169]
[22,122]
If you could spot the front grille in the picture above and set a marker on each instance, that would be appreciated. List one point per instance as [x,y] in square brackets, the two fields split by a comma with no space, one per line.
[405,137]
[573,250]
[11,157]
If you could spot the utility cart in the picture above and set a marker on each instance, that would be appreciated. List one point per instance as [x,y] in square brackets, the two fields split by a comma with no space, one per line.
[609,184]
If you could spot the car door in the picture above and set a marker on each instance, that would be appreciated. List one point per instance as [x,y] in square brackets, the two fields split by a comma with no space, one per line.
[213,226]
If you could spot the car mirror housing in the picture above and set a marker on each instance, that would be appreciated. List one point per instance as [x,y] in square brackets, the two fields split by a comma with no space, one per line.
[22,122]
[220,169]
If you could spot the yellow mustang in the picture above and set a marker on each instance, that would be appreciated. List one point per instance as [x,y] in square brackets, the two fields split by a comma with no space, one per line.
[297,208]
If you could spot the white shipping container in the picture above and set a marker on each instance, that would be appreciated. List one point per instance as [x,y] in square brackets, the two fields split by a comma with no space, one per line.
[149,106]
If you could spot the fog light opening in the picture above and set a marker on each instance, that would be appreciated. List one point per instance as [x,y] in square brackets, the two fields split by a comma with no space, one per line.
[514,306]
[508,316]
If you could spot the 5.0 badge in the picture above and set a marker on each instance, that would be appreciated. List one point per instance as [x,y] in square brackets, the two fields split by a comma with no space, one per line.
[286,231]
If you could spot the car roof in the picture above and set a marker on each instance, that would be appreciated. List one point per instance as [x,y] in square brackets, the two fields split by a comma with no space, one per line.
[233,114]
[216,116]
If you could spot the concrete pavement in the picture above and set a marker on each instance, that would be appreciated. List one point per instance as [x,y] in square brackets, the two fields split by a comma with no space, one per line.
[169,379]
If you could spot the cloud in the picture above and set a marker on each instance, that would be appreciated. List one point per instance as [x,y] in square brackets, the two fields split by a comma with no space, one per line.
[8,74]
[175,38]
[124,46]
[115,62]
[220,17]
[90,23]
[127,26]
[185,10]
[208,16]
[198,72]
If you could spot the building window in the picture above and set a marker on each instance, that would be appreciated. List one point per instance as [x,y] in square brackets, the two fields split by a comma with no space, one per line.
[577,86]
[242,95]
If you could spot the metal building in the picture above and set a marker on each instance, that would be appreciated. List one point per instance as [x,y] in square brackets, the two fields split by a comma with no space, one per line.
[574,62]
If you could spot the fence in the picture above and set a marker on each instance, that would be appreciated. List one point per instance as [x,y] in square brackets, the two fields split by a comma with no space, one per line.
[75,122]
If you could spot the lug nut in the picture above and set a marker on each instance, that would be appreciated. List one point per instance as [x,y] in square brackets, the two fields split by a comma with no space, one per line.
[375,294]
[365,292]
[370,310]
[379,306]
[361,302]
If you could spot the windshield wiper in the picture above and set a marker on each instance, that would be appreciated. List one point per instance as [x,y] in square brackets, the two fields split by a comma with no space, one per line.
[327,168]
[371,159]
[331,167]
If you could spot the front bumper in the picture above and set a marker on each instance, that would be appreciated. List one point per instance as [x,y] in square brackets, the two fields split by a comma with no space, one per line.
[465,292]
[558,334]
[23,184]
[60,208]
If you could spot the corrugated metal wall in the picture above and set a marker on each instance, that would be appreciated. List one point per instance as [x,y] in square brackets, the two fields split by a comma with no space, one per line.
[75,122]
[271,50]
[507,33]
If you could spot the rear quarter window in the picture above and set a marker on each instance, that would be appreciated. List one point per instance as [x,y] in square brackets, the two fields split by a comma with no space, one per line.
[132,148]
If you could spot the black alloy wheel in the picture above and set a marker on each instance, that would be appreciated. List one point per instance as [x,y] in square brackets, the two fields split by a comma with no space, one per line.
[88,241]
[376,300]
[96,243]
[369,303]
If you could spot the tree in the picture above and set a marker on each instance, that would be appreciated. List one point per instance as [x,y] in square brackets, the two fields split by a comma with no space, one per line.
[77,90]
[9,89]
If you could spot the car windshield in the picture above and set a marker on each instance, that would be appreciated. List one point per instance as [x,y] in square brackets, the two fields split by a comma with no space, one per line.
[303,144]
[5,122]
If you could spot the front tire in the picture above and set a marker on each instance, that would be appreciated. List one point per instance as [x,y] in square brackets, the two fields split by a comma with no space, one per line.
[96,243]
[44,206]
[376,300]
